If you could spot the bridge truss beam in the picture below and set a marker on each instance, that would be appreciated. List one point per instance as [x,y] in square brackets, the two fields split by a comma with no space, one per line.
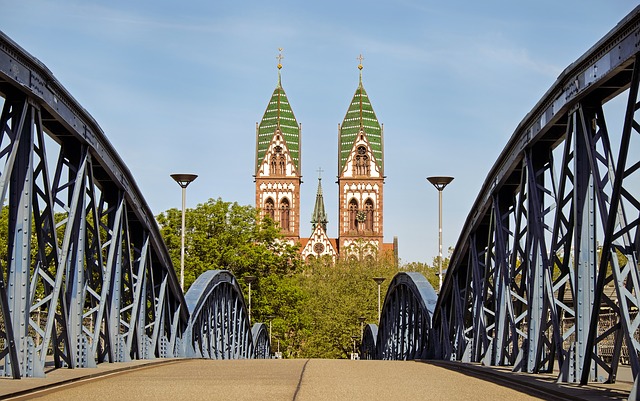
[82,262]
[405,321]
[550,249]
[219,321]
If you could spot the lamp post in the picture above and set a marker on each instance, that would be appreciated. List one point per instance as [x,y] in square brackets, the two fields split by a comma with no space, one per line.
[362,319]
[378,281]
[183,180]
[270,318]
[249,280]
[440,183]
[353,356]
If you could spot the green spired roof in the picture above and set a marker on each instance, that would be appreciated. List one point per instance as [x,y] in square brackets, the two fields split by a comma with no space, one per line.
[278,114]
[360,115]
[319,215]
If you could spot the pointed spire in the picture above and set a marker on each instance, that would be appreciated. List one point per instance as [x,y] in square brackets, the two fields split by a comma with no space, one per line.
[360,117]
[278,116]
[319,214]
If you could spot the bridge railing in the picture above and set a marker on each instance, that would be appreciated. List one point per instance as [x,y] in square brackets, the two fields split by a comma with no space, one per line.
[551,242]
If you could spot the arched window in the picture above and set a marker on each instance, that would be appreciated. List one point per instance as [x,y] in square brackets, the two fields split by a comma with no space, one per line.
[353,215]
[269,209]
[361,164]
[284,214]
[278,162]
[368,211]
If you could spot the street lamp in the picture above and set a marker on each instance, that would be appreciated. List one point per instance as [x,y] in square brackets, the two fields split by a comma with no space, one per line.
[270,318]
[362,319]
[379,281]
[440,183]
[183,180]
[249,280]
[353,356]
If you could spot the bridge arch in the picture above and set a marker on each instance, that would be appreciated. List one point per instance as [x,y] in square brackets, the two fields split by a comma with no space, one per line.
[405,320]
[261,341]
[97,283]
[219,321]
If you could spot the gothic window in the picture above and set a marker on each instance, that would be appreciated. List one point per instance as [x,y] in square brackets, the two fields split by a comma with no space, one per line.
[361,164]
[353,215]
[278,161]
[368,211]
[269,209]
[284,214]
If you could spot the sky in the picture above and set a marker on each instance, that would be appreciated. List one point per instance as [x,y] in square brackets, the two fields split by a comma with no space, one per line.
[178,86]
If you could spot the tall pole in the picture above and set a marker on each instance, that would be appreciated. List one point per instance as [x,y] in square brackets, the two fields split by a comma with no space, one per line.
[440,183]
[249,280]
[379,281]
[270,317]
[183,180]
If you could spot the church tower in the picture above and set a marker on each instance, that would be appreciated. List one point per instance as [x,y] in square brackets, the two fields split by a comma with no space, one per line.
[278,171]
[360,178]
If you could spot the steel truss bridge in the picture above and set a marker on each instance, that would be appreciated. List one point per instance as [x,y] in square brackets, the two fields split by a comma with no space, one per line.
[85,277]
[545,272]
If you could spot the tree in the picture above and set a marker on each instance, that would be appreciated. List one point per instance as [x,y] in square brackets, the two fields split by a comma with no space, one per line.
[225,235]
[336,297]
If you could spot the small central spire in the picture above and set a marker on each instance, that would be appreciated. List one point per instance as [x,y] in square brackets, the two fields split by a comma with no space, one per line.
[319,213]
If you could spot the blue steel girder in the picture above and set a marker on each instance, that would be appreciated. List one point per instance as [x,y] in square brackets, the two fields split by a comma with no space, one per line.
[405,322]
[219,321]
[548,253]
[368,345]
[261,341]
[87,278]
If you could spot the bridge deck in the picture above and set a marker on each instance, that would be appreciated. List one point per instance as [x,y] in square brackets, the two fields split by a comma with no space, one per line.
[300,379]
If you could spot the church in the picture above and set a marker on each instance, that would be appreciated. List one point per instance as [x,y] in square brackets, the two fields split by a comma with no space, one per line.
[278,177]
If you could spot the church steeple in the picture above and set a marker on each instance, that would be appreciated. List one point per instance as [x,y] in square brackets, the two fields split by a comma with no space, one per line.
[360,117]
[277,170]
[360,177]
[278,116]
[319,214]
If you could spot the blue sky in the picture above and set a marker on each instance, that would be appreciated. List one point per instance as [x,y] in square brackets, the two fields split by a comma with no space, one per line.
[178,86]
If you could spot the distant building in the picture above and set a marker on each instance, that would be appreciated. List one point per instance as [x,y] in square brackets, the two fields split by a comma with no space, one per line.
[360,179]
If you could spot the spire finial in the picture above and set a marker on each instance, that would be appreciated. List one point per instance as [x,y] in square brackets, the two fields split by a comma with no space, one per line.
[360,58]
[320,171]
[280,57]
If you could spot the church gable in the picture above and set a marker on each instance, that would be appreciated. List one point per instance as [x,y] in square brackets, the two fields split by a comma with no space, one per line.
[277,161]
[361,162]
[319,245]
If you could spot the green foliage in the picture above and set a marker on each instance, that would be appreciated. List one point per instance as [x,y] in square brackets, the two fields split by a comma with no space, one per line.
[225,235]
[337,296]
